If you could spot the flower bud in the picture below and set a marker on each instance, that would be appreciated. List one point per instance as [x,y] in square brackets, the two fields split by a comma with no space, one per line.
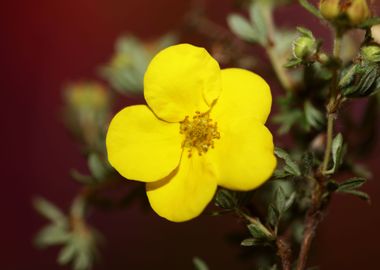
[358,11]
[330,9]
[304,46]
[86,110]
[375,33]
[371,53]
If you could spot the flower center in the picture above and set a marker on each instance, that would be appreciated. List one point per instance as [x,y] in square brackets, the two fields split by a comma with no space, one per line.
[199,132]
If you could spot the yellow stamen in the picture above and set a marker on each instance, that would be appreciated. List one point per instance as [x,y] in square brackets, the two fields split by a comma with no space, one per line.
[199,132]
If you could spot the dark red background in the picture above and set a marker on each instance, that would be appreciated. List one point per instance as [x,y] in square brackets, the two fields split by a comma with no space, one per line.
[45,43]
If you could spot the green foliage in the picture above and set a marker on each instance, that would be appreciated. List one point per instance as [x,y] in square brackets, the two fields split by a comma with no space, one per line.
[369,23]
[226,199]
[125,72]
[77,239]
[291,167]
[99,168]
[253,30]
[337,152]
[280,204]
[351,185]
[199,264]
[311,8]
[314,117]
[292,114]
[360,80]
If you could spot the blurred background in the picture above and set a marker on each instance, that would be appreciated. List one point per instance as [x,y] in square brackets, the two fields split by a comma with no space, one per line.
[45,44]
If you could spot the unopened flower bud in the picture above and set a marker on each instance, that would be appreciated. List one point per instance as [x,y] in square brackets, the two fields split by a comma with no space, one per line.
[304,46]
[371,53]
[358,11]
[375,33]
[330,9]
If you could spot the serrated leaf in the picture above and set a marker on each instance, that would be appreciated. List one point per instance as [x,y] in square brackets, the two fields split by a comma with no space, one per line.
[242,28]
[291,166]
[351,184]
[311,8]
[199,264]
[49,211]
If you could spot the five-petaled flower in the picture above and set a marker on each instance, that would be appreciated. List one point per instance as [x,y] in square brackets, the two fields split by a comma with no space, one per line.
[203,127]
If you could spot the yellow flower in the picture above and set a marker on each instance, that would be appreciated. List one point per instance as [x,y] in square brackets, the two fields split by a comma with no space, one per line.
[203,127]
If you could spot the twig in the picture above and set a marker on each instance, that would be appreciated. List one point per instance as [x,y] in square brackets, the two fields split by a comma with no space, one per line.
[284,252]
[316,212]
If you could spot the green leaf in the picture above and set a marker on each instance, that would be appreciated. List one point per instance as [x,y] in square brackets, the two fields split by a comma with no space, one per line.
[305,32]
[280,200]
[97,166]
[258,231]
[291,167]
[273,216]
[226,199]
[337,151]
[251,242]
[66,254]
[293,62]
[314,117]
[256,13]
[370,22]
[289,201]
[367,83]
[52,235]
[242,28]
[199,264]
[360,194]
[311,8]
[352,183]
[50,211]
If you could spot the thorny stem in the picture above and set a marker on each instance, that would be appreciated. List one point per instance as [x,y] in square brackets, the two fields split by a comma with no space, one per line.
[316,212]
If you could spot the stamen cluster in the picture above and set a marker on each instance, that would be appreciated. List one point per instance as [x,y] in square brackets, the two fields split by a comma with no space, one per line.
[199,132]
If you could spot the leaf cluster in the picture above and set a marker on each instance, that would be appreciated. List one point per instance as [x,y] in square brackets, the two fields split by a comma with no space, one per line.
[78,241]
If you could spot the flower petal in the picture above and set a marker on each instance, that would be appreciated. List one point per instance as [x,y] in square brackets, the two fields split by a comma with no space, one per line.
[142,147]
[181,80]
[186,192]
[243,156]
[244,94]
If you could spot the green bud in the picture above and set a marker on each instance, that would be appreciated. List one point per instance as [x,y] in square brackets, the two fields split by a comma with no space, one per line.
[304,46]
[330,9]
[371,53]
[358,11]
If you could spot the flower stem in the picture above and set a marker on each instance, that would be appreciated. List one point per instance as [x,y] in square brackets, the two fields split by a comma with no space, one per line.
[276,61]
[317,210]
[332,105]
